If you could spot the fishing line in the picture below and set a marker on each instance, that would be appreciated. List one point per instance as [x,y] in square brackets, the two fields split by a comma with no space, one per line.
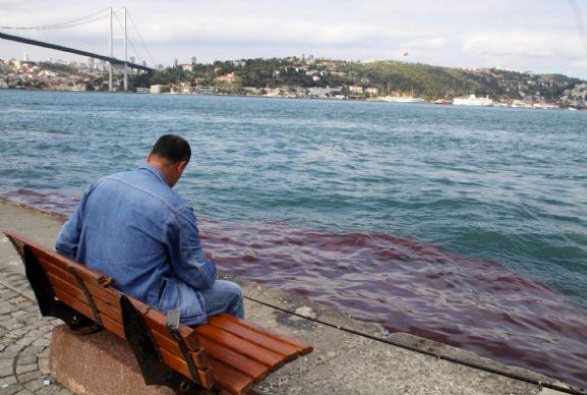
[579,23]
[538,383]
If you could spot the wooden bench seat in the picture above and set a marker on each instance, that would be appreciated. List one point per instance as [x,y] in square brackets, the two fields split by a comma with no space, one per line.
[227,352]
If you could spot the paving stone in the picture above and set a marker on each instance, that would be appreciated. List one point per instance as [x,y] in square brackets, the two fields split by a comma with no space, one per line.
[18,332]
[36,333]
[12,325]
[6,308]
[10,390]
[34,385]
[26,377]
[6,362]
[32,350]
[8,380]
[6,370]
[26,305]
[44,365]
[9,294]
[44,353]
[25,368]
[25,392]
[27,340]
[8,354]
[18,313]
[26,359]
[52,390]
[14,347]
[42,342]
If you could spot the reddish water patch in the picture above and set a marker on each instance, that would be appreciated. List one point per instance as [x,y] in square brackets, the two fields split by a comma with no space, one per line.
[413,287]
[403,284]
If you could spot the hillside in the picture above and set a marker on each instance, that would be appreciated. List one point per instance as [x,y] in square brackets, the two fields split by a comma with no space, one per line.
[296,76]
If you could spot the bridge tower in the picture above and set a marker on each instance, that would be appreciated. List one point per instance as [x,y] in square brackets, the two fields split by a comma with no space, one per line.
[125,54]
[110,83]
[110,87]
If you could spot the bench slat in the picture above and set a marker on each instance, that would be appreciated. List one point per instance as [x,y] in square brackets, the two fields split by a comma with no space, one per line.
[261,339]
[260,354]
[74,291]
[167,343]
[237,361]
[303,348]
[84,309]
[157,321]
[229,378]
[62,262]
[105,294]
[179,364]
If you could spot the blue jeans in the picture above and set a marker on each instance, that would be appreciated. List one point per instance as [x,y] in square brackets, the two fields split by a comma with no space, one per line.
[224,297]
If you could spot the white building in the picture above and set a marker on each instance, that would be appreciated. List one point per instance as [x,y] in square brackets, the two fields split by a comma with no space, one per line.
[188,66]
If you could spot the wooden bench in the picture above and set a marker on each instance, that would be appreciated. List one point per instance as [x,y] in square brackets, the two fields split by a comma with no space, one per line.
[226,353]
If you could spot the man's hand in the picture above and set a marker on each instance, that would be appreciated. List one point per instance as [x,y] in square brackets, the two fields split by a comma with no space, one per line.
[209,255]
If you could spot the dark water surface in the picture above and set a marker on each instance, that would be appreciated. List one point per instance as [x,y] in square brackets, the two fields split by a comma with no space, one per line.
[464,225]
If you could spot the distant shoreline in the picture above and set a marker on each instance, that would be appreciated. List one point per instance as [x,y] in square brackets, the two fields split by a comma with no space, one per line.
[364,100]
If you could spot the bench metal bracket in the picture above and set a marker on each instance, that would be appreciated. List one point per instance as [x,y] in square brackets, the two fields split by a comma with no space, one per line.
[86,292]
[48,303]
[173,329]
[142,344]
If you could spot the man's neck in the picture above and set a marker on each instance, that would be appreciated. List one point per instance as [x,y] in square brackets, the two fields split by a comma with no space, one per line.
[164,168]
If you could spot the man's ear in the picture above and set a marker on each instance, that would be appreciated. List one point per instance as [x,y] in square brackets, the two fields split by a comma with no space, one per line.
[181,166]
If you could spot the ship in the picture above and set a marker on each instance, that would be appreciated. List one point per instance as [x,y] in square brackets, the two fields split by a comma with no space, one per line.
[472,100]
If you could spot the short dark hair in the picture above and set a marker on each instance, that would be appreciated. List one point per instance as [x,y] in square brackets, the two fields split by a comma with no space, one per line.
[173,148]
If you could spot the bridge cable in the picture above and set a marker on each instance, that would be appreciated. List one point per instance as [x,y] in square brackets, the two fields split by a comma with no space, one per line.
[141,38]
[63,25]
[128,38]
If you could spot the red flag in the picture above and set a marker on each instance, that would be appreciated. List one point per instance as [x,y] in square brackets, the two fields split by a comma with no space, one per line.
[406,53]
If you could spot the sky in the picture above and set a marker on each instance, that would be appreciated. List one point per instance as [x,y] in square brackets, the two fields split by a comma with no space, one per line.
[525,35]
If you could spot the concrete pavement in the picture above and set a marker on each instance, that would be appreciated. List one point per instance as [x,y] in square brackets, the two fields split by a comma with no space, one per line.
[341,362]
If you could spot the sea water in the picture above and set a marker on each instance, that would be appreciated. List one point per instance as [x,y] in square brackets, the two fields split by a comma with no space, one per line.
[463,225]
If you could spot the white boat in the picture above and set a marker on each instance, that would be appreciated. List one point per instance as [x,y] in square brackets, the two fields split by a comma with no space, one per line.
[401,99]
[472,100]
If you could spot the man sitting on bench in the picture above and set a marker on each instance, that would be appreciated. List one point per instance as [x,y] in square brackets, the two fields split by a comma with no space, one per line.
[133,227]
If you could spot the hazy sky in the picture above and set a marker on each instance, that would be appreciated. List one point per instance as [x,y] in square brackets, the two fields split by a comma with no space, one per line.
[536,35]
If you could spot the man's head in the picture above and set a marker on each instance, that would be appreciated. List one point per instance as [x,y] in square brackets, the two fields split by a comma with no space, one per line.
[170,154]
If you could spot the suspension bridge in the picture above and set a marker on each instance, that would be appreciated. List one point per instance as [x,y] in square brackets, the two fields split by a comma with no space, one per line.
[108,15]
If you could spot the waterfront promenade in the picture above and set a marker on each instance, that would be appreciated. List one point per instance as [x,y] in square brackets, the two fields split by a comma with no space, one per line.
[342,362]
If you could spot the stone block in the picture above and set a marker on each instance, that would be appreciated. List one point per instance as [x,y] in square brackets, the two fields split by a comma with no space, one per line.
[100,363]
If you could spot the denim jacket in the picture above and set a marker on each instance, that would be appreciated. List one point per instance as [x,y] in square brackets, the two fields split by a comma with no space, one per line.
[133,227]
